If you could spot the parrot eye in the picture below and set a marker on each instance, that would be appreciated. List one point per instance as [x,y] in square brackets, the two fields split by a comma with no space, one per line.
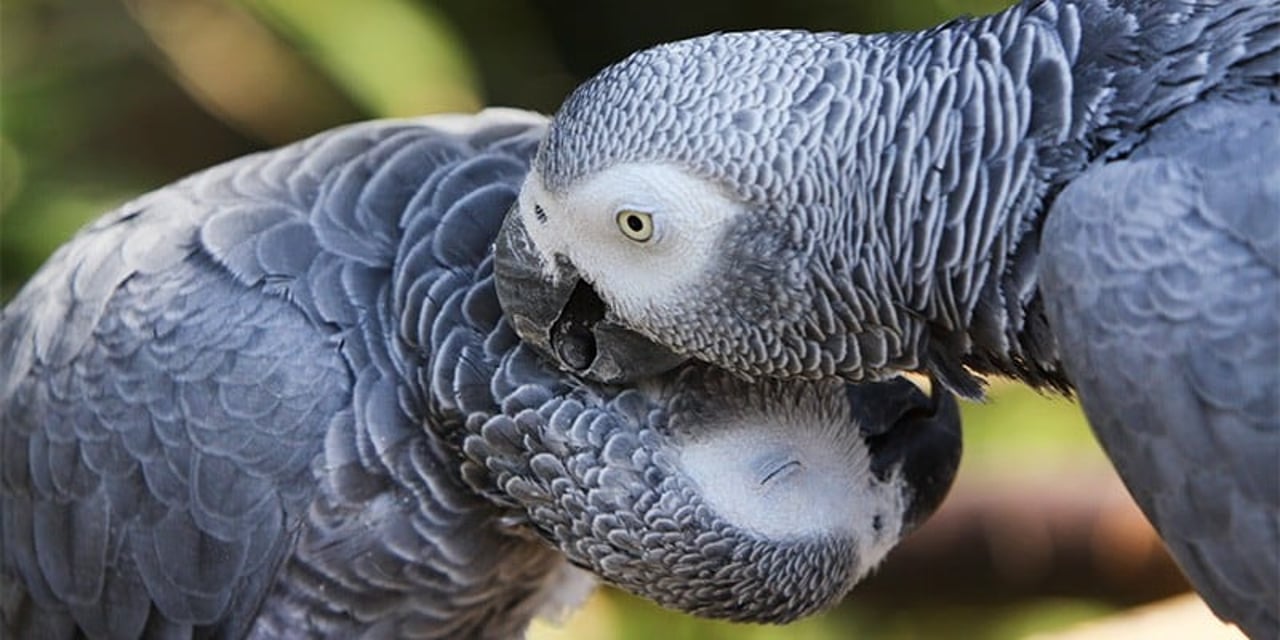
[636,225]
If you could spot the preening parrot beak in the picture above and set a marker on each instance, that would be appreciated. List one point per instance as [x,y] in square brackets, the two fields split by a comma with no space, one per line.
[563,317]
[911,433]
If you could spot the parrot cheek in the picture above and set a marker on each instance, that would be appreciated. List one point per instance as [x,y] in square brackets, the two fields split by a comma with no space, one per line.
[557,312]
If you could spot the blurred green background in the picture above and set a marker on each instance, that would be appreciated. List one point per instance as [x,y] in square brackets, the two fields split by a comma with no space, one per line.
[102,100]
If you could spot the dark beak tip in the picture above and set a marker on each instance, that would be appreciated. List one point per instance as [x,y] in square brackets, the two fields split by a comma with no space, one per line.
[919,434]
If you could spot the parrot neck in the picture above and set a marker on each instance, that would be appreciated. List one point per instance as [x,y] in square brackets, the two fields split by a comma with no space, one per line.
[999,115]
[987,120]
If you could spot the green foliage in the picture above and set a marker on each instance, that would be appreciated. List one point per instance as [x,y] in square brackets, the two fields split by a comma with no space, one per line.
[1019,429]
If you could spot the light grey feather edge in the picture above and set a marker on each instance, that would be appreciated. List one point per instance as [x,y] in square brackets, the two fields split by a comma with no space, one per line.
[231,335]
[958,138]
[1162,276]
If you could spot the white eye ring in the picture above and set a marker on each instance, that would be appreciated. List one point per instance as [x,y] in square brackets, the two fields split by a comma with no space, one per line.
[636,225]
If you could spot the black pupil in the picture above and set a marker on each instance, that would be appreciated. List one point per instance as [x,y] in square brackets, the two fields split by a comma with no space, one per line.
[635,224]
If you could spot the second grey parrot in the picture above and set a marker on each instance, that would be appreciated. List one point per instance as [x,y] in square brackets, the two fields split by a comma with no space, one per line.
[1080,194]
[279,399]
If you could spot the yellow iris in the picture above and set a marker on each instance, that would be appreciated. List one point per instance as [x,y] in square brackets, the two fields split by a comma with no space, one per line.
[636,225]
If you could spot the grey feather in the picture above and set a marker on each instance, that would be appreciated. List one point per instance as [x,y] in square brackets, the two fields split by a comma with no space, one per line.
[1167,317]
[879,203]
[265,422]
[167,418]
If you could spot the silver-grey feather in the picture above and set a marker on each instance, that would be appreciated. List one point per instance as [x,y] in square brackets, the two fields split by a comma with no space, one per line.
[209,430]
[938,124]
[1161,273]
[789,509]
[888,197]
[896,181]
[280,398]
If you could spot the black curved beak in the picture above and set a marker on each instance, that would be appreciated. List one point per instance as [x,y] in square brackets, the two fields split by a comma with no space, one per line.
[918,434]
[560,314]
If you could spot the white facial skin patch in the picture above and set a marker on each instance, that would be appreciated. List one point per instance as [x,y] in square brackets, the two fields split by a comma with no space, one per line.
[788,481]
[688,215]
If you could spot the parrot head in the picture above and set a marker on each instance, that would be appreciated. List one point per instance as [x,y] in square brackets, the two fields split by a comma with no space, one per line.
[757,501]
[688,203]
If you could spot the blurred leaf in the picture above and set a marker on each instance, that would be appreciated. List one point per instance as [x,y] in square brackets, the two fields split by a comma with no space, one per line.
[393,57]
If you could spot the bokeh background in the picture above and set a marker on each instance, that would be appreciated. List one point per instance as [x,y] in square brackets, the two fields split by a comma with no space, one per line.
[101,100]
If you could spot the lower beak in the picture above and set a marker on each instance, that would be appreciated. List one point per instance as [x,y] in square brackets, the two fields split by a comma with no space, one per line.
[561,315]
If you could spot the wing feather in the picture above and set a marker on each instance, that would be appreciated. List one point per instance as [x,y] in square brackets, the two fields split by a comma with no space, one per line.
[215,416]
[1164,292]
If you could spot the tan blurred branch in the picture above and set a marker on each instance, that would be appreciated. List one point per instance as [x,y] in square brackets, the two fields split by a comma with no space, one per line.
[239,70]
[1003,536]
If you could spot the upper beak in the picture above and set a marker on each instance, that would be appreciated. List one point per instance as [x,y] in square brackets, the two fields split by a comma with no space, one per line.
[562,316]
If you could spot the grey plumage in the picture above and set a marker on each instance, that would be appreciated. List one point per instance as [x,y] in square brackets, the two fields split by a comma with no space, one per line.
[1160,276]
[653,492]
[280,398]
[943,201]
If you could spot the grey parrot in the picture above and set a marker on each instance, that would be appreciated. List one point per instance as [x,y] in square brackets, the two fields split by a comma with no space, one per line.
[279,398]
[1083,195]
